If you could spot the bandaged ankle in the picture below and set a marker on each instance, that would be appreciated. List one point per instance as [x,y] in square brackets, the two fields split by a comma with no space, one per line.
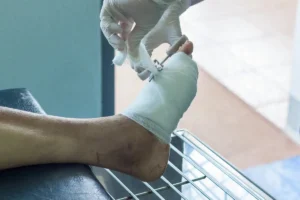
[164,100]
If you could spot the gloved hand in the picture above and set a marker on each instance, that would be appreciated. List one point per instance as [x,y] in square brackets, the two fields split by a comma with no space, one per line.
[156,22]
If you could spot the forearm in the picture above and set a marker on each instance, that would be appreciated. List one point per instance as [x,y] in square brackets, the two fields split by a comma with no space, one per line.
[27,138]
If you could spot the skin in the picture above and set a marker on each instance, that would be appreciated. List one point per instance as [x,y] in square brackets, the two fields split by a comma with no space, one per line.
[115,142]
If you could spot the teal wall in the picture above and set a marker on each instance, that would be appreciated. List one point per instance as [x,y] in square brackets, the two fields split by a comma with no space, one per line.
[52,47]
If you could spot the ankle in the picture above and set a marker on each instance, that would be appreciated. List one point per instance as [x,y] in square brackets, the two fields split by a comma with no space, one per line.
[118,143]
[148,154]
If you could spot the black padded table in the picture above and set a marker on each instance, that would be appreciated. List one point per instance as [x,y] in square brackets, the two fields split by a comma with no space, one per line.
[51,181]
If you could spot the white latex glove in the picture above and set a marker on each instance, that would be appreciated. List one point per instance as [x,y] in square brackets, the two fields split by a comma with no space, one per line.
[156,22]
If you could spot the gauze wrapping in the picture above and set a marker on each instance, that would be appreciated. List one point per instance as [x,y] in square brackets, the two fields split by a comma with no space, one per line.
[163,101]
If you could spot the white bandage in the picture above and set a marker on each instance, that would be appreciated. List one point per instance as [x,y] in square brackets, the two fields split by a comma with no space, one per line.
[164,100]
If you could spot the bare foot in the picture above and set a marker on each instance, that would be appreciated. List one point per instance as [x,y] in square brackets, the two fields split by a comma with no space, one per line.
[136,151]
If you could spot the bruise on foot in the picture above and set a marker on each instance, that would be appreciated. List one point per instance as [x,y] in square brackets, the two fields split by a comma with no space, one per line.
[125,158]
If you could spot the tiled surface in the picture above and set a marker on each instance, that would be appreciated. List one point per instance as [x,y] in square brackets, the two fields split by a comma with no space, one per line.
[217,116]
[247,46]
[279,76]
[227,30]
[214,60]
[270,51]
[280,179]
[254,89]
[233,128]
[276,112]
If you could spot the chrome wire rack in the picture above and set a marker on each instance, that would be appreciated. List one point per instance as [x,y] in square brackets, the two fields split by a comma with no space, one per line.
[194,172]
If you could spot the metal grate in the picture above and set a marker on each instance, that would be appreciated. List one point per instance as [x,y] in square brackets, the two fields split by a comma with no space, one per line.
[194,172]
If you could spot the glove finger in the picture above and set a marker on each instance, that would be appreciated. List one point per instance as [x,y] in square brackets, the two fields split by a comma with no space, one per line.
[153,39]
[111,30]
[170,34]
[120,56]
[174,31]
[138,57]
[116,42]
[134,41]
[143,75]
[135,38]
[108,24]
[168,27]
[176,35]
[111,22]
[126,28]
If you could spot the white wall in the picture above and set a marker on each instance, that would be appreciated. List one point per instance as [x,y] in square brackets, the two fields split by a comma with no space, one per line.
[295,86]
[53,49]
[293,123]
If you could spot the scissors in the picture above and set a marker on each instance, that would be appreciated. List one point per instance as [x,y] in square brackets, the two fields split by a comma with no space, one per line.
[172,50]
